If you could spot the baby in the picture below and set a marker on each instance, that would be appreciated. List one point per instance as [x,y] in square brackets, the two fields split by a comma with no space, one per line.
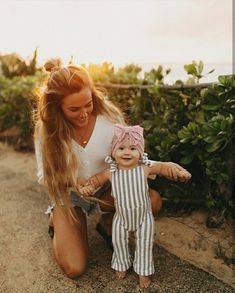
[128,173]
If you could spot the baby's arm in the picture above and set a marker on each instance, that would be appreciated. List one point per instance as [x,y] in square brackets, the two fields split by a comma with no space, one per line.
[90,186]
[169,170]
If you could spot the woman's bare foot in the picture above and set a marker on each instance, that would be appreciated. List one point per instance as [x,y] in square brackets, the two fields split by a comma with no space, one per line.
[121,275]
[144,281]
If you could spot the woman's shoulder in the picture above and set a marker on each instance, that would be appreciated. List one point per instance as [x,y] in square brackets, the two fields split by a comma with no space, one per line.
[102,119]
[104,124]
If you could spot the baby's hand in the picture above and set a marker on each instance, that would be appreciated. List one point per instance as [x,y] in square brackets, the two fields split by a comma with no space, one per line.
[184,175]
[174,172]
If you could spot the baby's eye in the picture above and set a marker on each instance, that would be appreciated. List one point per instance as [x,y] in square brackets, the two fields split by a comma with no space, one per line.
[133,148]
[121,148]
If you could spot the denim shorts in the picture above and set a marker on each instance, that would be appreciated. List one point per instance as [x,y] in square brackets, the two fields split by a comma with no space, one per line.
[86,205]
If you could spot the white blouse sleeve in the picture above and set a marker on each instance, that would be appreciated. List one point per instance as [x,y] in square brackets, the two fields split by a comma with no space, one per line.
[38,153]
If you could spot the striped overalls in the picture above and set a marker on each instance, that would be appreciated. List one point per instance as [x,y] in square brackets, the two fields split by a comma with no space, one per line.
[133,213]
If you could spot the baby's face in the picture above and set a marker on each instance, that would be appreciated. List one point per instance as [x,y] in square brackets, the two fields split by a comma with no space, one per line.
[127,156]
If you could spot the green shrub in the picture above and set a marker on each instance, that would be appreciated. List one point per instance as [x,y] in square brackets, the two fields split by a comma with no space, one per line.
[16,104]
[12,65]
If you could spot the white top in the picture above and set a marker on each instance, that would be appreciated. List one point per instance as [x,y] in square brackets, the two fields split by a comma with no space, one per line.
[91,157]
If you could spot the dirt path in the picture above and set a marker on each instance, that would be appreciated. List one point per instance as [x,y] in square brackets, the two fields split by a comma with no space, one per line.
[26,260]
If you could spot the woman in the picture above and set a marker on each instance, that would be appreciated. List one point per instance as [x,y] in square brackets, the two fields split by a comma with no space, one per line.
[73,133]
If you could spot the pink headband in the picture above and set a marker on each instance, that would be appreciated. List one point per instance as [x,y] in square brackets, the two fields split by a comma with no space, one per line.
[134,133]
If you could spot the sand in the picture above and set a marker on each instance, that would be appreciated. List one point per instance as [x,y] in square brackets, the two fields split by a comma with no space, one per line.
[184,251]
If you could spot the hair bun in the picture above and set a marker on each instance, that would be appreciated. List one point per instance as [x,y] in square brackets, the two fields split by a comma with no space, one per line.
[53,64]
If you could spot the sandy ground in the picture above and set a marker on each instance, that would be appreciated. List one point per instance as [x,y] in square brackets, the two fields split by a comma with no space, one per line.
[27,263]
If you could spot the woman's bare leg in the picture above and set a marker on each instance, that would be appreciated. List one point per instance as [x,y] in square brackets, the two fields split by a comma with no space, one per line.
[156,201]
[70,242]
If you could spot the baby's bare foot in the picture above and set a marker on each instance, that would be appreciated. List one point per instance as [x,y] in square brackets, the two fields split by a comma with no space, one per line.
[144,281]
[121,275]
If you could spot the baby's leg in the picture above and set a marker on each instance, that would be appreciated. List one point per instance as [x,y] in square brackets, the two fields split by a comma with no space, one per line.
[121,260]
[143,262]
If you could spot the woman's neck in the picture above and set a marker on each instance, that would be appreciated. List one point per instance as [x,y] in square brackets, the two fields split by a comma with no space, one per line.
[83,134]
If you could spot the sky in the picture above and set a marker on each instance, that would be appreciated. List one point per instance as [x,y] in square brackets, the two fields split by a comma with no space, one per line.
[119,31]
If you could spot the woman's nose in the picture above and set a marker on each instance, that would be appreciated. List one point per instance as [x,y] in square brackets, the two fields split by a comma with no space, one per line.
[82,113]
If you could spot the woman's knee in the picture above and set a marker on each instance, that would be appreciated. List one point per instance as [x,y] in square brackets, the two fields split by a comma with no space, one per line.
[74,270]
[156,201]
[107,202]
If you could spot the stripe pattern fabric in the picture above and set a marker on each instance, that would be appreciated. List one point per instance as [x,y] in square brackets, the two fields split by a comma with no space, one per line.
[133,213]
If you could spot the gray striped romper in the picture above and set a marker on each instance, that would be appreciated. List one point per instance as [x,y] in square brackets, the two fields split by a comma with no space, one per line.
[133,213]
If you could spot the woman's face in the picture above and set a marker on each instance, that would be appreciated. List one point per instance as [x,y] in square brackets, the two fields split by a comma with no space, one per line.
[77,107]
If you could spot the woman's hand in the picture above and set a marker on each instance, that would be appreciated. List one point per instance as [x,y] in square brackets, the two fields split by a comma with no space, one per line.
[86,190]
[84,187]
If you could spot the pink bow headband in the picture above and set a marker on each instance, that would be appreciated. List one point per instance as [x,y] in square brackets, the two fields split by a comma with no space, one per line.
[134,134]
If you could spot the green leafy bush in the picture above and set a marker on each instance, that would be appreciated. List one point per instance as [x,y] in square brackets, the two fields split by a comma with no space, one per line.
[12,65]
[16,103]
[192,126]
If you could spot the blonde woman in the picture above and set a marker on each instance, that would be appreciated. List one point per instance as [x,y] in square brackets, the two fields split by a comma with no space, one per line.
[73,133]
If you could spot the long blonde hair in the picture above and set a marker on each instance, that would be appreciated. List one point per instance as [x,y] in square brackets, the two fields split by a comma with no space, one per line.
[55,132]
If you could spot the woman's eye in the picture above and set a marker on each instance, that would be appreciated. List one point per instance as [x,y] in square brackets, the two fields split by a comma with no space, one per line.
[89,105]
[74,109]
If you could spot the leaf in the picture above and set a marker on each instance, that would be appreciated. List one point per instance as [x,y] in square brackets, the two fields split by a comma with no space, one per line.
[214,147]
[200,67]
[190,69]
[211,71]
[186,160]
[204,92]
[184,140]
[209,139]
[211,107]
